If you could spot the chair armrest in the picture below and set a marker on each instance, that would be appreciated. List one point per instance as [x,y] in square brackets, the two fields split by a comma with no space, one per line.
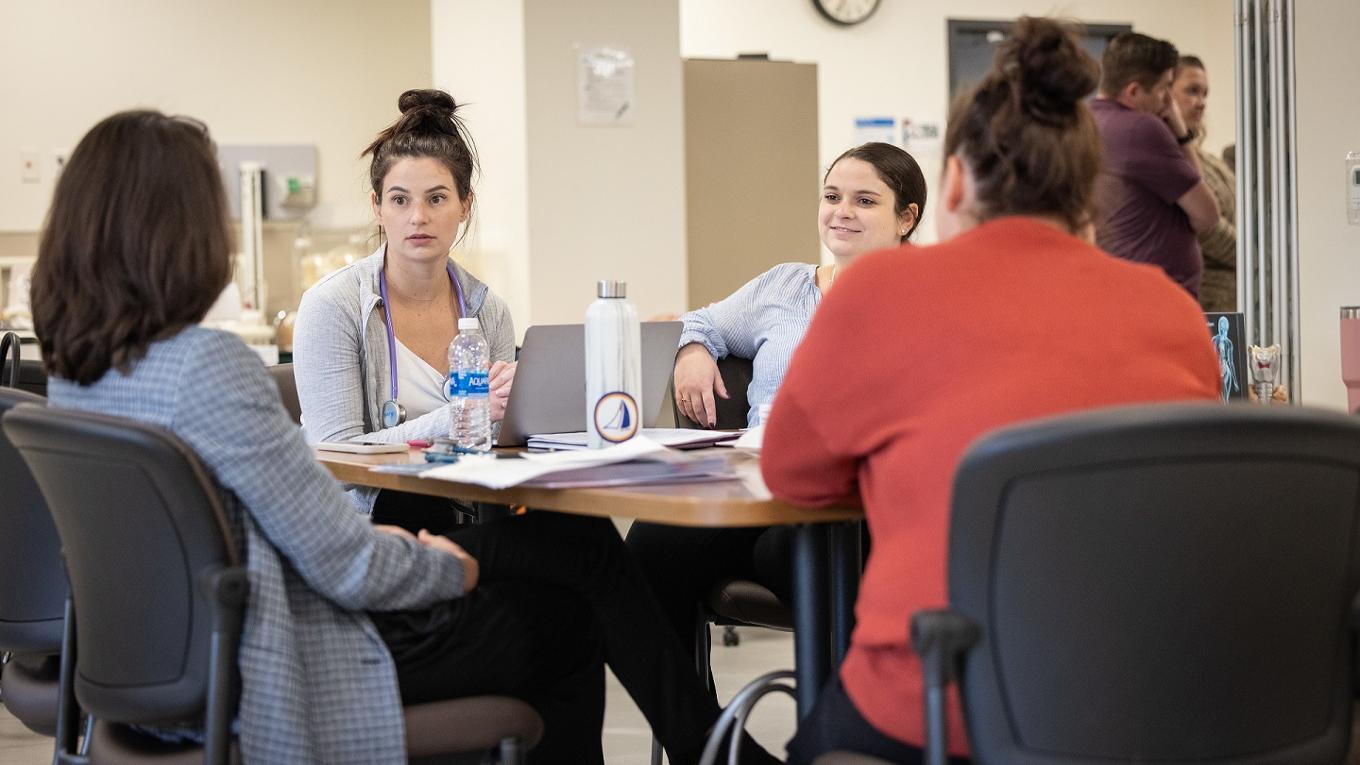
[228,590]
[940,638]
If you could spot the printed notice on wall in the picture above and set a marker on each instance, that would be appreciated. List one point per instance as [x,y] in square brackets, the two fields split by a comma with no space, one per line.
[604,86]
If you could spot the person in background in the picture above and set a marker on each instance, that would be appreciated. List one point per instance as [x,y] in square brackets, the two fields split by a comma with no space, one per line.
[920,351]
[1150,200]
[376,334]
[872,198]
[1218,290]
[347,620]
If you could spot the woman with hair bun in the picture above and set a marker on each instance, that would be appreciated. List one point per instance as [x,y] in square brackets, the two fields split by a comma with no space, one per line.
[918,352]
[370,348]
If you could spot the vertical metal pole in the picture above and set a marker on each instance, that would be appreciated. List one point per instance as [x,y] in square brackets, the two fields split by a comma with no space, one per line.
[1261,259]
[1246,277]
[811,622]
[1291,209]
[845,573]
[1272,149]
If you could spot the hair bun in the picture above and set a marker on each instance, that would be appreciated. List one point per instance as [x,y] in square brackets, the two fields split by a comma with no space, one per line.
[426,100]
[1048,70]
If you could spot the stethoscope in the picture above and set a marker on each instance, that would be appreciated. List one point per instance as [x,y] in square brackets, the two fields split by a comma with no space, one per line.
[394,414]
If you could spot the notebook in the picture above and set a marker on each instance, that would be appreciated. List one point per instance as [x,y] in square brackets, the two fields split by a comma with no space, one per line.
[549,394]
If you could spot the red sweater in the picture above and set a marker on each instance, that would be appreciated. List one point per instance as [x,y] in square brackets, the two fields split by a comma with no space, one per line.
[919,352]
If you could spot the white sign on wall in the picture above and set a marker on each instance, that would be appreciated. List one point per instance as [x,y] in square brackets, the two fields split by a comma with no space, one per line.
[604,86]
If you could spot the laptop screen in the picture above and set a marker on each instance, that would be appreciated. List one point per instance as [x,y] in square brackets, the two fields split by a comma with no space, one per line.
[549,394]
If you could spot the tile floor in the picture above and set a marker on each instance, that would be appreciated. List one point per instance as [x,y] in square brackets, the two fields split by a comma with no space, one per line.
[627,739]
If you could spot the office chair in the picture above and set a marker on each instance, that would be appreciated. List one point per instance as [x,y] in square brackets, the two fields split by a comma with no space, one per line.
[17,372]
[287,385]
[33,595]
[141,523]
[736,602]
[1172,584]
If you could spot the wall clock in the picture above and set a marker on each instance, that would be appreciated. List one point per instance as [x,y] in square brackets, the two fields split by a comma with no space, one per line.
[846,12]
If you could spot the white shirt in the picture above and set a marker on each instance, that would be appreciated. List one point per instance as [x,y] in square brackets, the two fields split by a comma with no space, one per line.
[420,387]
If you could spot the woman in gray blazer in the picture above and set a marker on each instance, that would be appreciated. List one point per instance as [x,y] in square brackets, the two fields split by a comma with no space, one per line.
[346,620]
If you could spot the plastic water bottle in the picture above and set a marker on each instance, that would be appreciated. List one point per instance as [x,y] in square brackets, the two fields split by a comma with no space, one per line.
[467,387]
[613,367]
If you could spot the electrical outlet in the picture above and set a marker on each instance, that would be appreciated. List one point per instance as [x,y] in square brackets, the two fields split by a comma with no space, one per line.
[29,170]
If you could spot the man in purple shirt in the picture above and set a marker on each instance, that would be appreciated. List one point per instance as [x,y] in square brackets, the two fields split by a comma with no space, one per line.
[1150,199]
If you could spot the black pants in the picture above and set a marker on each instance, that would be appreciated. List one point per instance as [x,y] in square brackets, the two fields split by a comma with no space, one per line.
[682,565]
[414,512]
[836,725]
[436,515]
[557,594]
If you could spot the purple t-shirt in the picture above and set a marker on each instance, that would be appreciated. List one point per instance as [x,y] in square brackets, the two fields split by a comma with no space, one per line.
[1143,172]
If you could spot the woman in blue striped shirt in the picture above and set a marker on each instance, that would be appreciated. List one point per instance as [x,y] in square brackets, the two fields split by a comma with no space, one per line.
[872,198]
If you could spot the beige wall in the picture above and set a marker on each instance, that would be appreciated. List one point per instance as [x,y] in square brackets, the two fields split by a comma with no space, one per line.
[325,72]
[1329,249]
[604,202]
[563,205]
[896,63]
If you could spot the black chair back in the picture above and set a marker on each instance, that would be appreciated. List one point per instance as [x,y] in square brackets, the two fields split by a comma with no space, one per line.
[736,375]
[10,355]
[154,579]
[15,372]
[287,385]
[33,595]
[1168,584]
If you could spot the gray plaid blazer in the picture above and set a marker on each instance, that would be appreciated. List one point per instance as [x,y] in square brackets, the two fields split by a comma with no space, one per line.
[318,684]
[340,358]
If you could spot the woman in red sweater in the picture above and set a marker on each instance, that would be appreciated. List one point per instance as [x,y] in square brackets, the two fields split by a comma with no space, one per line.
[922,350]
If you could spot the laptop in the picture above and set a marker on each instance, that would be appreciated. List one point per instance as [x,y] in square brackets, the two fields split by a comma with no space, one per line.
[549,394]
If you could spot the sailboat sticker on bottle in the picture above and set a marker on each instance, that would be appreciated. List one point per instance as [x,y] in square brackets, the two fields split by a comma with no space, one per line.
[616,417]
[613,367]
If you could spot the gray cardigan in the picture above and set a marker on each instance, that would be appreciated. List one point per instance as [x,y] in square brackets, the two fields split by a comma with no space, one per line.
[340,358]
[318,683]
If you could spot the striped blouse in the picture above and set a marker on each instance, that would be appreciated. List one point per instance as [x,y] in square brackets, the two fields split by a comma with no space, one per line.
[763,321]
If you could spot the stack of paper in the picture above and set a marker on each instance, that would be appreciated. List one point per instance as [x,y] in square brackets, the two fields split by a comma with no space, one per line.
[676,438]
[639,460]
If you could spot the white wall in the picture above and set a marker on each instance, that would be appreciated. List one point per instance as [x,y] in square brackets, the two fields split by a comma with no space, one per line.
[1329,249]
[478,55]
[326,72]
[896,63]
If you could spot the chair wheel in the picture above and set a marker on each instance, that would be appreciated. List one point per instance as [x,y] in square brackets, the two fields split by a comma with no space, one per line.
[730,636]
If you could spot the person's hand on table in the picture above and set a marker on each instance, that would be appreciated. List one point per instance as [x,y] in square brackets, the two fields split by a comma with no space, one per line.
[500,378]
[696,380]
[471,570]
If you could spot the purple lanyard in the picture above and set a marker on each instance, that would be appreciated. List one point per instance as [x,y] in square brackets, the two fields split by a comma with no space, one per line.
[391,336]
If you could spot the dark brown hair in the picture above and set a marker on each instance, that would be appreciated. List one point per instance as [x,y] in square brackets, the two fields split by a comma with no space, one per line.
[1131,57]
[136,245]
[899,171]
[429,126]
[1191,61]
[1025,132]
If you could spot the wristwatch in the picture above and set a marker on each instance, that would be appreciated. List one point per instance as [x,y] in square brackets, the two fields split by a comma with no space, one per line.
[1189,136]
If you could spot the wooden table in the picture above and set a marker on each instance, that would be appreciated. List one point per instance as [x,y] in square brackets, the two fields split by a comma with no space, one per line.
[826,541]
